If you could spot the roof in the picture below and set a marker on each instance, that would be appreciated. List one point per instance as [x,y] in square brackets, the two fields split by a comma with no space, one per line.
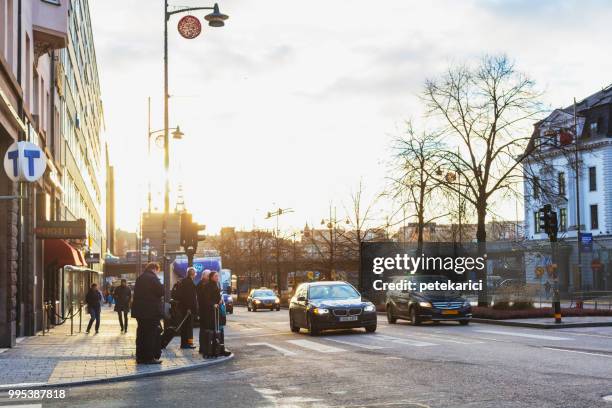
[603,97]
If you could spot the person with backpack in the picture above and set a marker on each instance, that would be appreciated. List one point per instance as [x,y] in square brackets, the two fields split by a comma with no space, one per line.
[187,306]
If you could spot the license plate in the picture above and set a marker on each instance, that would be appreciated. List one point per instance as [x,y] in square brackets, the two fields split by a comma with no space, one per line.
[348,318]
[450,312]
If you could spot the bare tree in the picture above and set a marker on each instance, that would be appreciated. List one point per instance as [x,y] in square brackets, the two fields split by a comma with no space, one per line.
[417,157]
[488,108]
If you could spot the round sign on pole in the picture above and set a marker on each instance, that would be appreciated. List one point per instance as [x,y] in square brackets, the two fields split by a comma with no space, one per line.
[189,27]
[24,161]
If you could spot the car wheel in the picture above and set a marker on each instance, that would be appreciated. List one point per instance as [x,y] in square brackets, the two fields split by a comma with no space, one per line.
[248,308]
[254,309]
[294,328]
[390,318]
[313,330]
[278,309]
[414,319]
[464,322]
[370,329]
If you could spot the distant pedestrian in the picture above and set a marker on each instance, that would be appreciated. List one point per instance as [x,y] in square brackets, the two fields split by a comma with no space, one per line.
[147,310]
[94,300]
[547,287]
[209,299]
[188,303]
[123,297]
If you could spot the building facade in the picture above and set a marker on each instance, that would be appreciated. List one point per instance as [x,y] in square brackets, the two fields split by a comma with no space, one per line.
[49,95]
[580,191]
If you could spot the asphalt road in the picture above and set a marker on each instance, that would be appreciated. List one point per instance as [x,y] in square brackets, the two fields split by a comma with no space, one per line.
[444,365]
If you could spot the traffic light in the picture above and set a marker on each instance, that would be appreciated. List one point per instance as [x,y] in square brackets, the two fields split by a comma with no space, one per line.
[548,222]
[186,222]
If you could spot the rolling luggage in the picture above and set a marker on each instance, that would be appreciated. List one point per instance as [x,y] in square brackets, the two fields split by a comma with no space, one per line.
[213,339]
[171,331]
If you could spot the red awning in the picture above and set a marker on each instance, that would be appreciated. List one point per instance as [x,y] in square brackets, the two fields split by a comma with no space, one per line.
[61,253]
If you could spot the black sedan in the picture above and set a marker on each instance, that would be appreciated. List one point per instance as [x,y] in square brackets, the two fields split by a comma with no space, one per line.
[263,298]
[319,306]
[433,306]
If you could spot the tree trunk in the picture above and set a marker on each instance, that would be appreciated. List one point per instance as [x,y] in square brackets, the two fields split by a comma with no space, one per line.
[481,238]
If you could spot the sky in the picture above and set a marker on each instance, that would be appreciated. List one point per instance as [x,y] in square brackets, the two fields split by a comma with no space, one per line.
[293,103]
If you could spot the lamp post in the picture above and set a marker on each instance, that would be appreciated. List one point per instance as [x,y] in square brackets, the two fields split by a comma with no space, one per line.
[332,223]
[277,214]
[215,19]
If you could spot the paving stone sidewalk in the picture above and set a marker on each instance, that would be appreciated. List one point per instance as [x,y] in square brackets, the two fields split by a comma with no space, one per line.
[59,358]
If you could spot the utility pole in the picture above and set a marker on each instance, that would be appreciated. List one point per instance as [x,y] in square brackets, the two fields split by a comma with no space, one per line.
[277,214]
[578,222]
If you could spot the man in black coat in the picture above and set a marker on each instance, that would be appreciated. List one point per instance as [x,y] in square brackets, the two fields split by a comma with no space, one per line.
[147,310]
[94,301]
[123,296]
[187,303]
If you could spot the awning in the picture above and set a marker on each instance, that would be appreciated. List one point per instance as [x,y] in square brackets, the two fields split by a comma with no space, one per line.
[60,253]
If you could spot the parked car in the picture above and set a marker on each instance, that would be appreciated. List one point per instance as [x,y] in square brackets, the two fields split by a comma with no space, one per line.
[262,298]
[319,306]
[433,306]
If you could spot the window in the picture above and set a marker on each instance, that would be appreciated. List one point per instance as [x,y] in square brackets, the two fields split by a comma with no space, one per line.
[536,222]
[562,184]
[562,219]
[536,188]
[594,217]
[592,179]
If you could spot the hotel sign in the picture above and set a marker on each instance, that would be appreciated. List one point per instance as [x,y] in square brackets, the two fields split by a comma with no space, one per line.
[62,229]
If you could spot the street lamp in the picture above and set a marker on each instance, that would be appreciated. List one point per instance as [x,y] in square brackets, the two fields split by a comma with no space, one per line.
[176,135]
[278,213]
[332,224]
[215,19]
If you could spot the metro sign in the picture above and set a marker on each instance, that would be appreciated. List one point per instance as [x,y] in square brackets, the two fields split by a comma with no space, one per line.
[24,161]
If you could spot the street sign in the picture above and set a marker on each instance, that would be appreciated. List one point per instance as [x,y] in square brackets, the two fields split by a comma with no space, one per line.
[62,230]
[24,161]
[92,258]
[586,241]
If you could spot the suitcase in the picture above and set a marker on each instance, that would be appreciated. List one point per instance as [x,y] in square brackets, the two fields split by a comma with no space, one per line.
[171,331]
[213,339]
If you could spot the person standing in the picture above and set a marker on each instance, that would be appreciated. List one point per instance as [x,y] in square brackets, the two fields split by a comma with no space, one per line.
[188,304]
[123,297]
[209,299]
[147,310]
[94,302]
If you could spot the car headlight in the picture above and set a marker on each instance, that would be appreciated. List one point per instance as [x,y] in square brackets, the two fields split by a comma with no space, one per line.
[277,300]
[466,303]
[369,308]
[257,301]
[424,304]
[320,311]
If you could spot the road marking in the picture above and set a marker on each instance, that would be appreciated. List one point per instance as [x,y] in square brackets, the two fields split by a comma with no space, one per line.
[350,343]
[399,340]
[277,348]
[312,345]
[448,339]
[250,336]
[579,352]
[532,336]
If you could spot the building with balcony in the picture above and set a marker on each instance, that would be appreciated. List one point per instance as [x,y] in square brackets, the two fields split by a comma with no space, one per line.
[579,191]
[50,96]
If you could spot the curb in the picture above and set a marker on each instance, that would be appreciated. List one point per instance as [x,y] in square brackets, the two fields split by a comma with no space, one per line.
[540,325]
[127,377]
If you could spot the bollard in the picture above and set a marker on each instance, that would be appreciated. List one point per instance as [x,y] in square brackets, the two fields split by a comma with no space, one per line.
[557,306]
[71,320]
[80,315]
[44,318]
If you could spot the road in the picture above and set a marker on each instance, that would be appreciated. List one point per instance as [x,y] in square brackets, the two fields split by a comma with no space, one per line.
[445,365]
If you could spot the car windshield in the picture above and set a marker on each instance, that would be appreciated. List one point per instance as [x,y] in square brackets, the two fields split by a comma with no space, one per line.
[263,293]
[333,292]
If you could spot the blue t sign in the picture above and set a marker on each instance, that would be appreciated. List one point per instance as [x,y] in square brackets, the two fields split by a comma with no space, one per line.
[25,161]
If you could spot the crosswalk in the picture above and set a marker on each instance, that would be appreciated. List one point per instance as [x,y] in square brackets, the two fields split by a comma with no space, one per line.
[279,342]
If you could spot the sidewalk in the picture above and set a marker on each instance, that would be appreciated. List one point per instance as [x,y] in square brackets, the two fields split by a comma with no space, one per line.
[549,322]
[61,359]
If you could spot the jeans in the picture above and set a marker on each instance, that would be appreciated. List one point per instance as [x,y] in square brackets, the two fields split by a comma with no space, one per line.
[123,317]
[94,312]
